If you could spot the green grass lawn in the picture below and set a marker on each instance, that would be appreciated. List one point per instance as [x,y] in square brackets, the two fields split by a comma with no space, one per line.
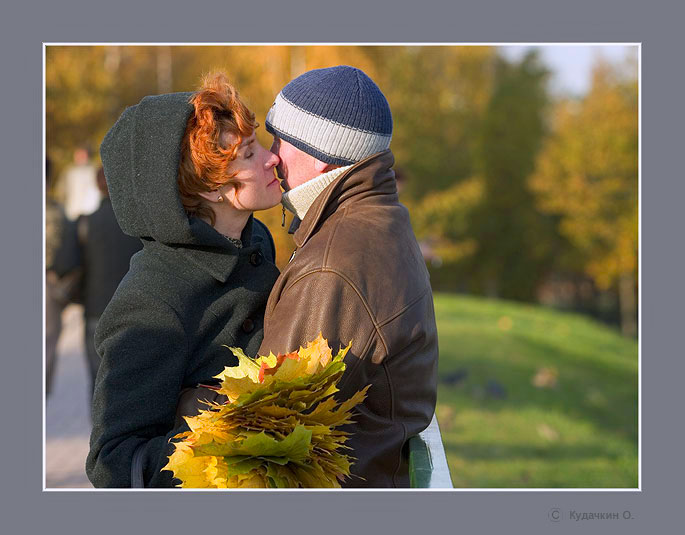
[533,397]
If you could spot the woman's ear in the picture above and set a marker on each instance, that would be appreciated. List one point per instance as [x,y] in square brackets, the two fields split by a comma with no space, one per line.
[212,196]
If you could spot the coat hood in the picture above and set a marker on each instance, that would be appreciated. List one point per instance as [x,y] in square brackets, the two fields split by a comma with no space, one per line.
[141,155]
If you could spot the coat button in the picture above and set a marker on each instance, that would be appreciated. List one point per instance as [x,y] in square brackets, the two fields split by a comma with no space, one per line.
[248,325]
[256,258]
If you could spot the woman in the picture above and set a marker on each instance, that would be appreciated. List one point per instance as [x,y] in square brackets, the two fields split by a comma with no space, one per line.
[185,173]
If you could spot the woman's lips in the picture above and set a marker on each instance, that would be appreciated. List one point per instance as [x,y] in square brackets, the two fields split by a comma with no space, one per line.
[274,181]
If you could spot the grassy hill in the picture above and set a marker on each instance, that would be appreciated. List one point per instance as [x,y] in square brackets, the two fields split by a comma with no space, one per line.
[533,397]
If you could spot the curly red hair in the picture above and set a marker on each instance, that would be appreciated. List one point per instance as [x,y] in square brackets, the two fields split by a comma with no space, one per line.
[204,156]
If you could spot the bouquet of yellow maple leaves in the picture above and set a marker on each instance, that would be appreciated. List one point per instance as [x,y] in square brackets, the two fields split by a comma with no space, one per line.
[278,428]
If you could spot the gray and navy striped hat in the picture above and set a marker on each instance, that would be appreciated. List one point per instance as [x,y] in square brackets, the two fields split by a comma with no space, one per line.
[338,115]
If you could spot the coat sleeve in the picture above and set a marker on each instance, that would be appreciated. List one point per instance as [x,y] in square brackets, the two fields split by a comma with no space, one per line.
[144,352]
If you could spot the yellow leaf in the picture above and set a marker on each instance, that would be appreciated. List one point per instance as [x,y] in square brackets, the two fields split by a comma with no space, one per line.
[290,369]
[194,472]
[317,354]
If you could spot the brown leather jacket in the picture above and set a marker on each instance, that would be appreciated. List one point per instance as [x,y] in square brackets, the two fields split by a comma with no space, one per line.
[358,275]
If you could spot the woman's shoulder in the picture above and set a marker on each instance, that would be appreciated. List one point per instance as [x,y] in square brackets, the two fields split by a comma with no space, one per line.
[155,276]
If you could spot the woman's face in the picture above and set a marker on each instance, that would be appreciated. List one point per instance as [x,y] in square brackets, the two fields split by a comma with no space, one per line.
[254,167]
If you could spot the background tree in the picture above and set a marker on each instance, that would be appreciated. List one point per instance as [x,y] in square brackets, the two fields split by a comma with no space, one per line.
[588,175]
[77,100]
[437,96]
[515,243]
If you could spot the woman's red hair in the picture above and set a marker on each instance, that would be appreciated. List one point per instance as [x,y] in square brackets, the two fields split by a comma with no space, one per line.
[204,158]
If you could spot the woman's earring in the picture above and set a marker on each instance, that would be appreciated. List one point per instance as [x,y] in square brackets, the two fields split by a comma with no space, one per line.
[221,198]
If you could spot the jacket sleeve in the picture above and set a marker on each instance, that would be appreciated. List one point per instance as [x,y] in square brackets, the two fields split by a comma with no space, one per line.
[401,399]
[144,351]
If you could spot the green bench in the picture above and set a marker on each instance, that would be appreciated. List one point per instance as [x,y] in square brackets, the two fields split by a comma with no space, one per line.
[427,461]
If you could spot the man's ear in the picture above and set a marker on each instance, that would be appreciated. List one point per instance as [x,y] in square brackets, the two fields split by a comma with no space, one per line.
[323,167]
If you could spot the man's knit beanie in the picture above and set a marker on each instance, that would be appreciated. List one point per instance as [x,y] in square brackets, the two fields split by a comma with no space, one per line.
[337,114]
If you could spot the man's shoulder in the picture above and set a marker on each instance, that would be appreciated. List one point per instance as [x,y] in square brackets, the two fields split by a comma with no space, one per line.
[368,247]
[366,234]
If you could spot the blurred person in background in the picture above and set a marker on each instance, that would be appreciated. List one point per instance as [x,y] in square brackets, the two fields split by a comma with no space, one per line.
[61,262]
[185,173]
[80,191]
[105,254]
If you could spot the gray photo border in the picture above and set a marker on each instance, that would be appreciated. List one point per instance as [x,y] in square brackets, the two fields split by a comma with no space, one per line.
[29,509]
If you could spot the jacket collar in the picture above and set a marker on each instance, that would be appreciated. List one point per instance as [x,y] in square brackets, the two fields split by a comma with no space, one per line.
[211,252]
[372,176]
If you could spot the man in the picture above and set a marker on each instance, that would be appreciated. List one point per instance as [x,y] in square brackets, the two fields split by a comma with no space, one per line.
[357,274]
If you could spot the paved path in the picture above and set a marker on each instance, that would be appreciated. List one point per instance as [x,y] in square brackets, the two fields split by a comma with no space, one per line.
[67,415]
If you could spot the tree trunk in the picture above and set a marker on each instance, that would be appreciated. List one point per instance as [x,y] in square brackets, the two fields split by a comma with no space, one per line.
[628,304]
[164,69]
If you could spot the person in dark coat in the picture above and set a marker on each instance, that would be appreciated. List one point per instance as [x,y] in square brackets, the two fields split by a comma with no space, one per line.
[105,253]
[185,173]
[61,274]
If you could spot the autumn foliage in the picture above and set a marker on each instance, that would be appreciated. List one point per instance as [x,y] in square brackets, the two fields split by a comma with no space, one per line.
[279,427]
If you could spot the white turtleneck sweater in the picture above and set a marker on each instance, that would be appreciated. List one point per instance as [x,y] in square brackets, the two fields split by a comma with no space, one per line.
[299,199]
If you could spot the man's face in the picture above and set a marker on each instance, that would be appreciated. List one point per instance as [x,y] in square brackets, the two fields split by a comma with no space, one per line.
[296,167]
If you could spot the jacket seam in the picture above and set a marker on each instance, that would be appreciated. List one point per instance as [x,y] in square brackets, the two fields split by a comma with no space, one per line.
[350,373]
[399,460]
[356,290]
[331,236]
[404,308]
[388,377]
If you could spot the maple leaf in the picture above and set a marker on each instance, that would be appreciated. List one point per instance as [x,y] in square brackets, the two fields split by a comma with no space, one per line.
[294,447]
[317,354]
[193,471]
[270,369]
[246,377]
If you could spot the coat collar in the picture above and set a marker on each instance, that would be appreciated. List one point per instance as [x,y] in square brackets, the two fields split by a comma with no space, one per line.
[211,252]
[372,176]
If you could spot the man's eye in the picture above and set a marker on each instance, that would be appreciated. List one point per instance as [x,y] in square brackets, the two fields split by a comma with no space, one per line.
[247,157]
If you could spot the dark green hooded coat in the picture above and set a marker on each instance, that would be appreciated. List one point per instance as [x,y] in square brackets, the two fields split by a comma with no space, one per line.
[187,293]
